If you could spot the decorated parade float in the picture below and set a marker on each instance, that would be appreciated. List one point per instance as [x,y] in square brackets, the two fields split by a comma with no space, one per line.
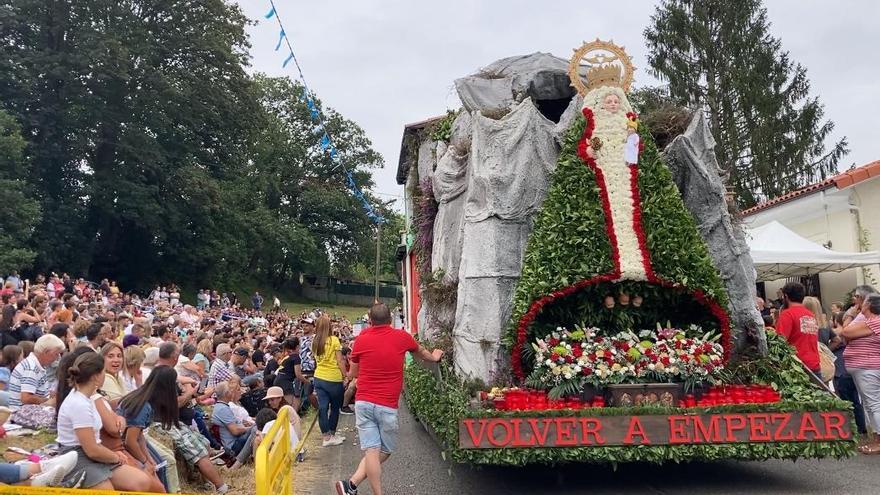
[593,293]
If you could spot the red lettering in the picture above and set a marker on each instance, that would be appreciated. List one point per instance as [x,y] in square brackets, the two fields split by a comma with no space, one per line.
[540,435]
[591,426]
[808,425]
[710,433]
[518,436]
[564,435]
[729,420]
[677,430]
[758,427]
[781,420]
[636,430]
[508,432]
[838,421]
[476,438]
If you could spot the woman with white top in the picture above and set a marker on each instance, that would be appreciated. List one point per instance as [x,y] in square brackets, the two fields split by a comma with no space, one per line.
[79,427]
[132,376]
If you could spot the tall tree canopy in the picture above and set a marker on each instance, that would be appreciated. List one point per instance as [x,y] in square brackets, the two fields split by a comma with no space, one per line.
[770,132]
[155,156]
[19,211]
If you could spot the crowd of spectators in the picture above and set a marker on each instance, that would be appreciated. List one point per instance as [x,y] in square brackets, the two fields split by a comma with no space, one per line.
[132,383]
[841,347]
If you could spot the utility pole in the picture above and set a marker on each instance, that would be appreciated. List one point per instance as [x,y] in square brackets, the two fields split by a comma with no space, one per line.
[378,252]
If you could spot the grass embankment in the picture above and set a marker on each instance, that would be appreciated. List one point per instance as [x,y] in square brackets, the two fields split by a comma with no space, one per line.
[294,303]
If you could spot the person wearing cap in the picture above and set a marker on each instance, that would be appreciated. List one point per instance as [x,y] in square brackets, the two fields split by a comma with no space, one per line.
[243,368]
[275,356]
[290,377]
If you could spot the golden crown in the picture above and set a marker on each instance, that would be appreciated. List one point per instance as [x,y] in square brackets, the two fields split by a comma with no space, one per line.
[611,66]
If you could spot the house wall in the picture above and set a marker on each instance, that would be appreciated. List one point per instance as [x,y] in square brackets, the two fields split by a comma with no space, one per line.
[840,226]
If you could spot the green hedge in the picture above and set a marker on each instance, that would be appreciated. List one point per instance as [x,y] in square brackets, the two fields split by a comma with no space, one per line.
[441,407]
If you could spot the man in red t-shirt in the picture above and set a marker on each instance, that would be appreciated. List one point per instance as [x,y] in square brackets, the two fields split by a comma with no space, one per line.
[377,360]
[799,326]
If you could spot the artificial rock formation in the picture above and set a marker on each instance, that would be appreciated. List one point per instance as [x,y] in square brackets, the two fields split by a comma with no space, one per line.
[691,159]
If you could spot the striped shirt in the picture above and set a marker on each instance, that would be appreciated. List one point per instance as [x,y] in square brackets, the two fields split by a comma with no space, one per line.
[864,353]
[29,376]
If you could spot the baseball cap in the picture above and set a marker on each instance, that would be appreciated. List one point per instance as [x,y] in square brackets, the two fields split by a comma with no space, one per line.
[309,321]
[241,351]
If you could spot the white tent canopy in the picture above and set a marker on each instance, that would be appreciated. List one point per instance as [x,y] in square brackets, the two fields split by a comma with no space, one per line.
[779,253]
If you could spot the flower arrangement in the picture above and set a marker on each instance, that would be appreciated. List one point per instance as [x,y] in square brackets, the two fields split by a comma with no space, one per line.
[567,360]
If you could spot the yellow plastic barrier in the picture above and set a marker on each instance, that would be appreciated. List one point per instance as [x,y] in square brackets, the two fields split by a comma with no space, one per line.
[273,464]
[42,490]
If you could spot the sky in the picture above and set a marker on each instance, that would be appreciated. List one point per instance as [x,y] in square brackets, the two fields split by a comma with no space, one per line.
[387,63]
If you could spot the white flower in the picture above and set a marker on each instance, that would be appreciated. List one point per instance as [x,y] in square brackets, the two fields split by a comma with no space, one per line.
[548,362]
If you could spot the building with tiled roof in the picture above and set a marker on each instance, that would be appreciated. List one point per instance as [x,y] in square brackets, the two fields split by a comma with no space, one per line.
[842,213]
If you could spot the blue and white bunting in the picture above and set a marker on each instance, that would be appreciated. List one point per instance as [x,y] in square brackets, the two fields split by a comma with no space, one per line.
[326,141]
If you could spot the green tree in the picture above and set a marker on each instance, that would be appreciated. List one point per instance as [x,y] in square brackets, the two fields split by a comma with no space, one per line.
[19,212]
[157,157]
[302,191]
[720,55]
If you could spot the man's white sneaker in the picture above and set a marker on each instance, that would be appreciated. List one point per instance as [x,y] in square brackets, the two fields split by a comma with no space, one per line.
[332,441]
[65,461]
[340,437]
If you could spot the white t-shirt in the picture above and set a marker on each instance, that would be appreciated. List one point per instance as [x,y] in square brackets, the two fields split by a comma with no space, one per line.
[77,411]
[293,438]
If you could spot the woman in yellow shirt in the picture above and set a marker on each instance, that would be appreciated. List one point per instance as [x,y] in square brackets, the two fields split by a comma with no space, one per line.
[114,386]
[328,380]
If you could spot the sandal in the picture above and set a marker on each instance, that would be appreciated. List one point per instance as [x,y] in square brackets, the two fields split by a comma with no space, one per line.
[870,449]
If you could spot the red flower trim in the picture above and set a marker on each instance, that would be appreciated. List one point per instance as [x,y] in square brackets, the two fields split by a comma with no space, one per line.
[637,223]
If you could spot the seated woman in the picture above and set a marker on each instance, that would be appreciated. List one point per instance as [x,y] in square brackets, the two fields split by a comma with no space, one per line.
[112,425]
[29,385]
[79,430]
[240,412]
[9,359]
[113,387]
[132,376]
[44,473]
[156,401]
[236,437]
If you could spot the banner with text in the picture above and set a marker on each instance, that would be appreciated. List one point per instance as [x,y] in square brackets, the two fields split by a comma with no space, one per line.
[594,431]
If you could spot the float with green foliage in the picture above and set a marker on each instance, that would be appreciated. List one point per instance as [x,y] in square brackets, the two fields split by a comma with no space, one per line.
[616,333]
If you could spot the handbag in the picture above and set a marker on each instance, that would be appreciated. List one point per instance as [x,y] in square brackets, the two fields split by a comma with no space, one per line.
[826,363]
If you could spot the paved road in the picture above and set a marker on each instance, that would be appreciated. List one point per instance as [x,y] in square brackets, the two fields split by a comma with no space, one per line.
[419,469]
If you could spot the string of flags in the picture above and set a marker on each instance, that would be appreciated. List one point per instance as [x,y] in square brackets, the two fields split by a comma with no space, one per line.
[326,142]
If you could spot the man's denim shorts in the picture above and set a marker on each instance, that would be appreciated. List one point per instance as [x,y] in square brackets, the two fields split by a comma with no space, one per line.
[377,426]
